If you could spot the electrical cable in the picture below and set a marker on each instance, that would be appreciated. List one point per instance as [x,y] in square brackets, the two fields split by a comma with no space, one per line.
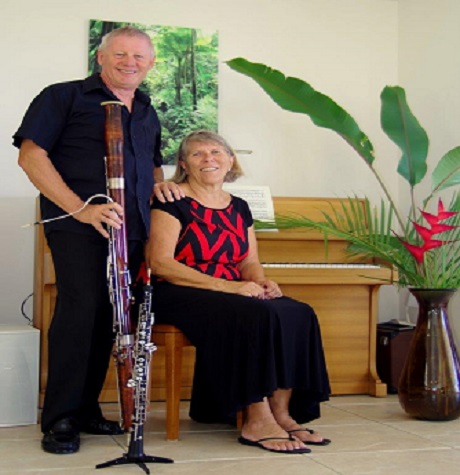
[67,215]
[24,314]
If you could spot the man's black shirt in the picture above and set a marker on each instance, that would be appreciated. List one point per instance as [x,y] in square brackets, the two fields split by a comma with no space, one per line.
[68,121]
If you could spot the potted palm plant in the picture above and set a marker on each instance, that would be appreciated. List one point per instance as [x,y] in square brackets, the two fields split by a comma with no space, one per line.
[423,245]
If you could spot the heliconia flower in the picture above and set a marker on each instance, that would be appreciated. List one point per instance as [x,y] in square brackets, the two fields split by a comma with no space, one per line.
[442,213]
[416,251]
[432,243]
[419,251]
[441,228]
[427,233]
[434,219]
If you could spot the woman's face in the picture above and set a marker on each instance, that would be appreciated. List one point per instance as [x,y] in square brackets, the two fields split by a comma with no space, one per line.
[207,162]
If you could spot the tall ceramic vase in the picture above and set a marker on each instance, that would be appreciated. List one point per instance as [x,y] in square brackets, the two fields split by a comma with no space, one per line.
[429,387]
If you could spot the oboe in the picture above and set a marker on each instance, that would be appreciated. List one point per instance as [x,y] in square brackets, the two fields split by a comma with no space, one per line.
[143,350]
[118,272]
[142,354]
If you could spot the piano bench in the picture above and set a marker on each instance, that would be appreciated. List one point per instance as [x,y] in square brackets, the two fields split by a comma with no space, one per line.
[173,341]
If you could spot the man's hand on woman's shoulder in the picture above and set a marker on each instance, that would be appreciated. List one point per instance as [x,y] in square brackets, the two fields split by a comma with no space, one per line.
[167,191]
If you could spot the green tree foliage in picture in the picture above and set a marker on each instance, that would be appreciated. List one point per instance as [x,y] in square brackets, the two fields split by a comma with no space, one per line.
[183,83]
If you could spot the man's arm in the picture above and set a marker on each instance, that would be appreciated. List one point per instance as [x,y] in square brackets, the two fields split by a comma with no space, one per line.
[158,175]
[41,172]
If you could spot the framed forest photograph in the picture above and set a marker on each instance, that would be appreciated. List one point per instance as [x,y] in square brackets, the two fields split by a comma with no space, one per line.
[182,84]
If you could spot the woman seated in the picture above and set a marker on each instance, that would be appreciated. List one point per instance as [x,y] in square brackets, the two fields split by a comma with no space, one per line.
[255,349]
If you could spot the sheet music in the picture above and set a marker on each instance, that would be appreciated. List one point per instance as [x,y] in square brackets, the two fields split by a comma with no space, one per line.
[258,198]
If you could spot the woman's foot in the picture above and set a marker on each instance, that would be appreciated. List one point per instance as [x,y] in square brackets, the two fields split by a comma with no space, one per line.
[309,436]
[286,422]
[261,430]
[270,436]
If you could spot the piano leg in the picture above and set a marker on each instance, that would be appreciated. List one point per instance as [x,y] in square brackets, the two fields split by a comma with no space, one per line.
[377,388]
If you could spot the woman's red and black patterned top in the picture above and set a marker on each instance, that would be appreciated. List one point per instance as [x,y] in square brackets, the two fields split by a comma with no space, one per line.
[212,241]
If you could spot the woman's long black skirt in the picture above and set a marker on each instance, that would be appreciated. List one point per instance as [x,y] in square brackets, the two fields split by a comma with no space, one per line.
[246,348]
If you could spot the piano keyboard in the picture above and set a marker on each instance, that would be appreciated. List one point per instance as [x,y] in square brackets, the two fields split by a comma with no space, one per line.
[302,273]
[304,265]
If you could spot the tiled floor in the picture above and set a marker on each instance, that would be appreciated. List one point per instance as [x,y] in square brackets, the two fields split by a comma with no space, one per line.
[370,436]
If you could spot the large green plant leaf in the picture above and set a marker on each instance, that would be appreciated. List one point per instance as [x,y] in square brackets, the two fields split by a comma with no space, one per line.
[295,95]
[403,128]
[447,171]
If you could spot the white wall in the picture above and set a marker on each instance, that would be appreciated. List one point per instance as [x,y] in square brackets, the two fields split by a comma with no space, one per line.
[345,48]
[429,69]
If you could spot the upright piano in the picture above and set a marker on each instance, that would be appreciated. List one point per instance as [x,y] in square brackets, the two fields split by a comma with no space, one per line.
[343,293]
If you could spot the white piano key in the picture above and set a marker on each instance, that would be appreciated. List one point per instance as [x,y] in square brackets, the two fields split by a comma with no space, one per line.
[305,265]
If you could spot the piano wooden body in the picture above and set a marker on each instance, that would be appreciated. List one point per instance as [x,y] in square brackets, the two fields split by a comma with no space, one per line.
[343,295]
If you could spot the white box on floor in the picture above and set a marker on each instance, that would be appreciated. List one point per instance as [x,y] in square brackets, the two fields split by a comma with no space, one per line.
[19,359]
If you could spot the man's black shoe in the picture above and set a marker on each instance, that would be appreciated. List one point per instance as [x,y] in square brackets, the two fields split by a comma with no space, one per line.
[102,426]
[63,438]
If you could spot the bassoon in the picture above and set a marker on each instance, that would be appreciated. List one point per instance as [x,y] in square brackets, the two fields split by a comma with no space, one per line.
[118,272]
[133,348]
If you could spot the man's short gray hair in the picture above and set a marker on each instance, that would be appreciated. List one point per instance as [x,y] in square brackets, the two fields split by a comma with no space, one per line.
[131,31]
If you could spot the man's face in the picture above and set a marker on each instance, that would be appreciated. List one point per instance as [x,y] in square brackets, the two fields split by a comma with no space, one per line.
[125,62]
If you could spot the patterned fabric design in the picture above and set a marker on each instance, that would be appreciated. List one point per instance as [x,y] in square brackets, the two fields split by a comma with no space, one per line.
[213,241]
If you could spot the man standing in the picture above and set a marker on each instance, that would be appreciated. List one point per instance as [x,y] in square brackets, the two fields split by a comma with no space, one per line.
[62,149]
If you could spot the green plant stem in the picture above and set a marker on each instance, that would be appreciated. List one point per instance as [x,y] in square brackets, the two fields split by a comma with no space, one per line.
[387,194]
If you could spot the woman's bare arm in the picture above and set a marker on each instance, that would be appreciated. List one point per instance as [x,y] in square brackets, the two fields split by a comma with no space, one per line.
[164,234]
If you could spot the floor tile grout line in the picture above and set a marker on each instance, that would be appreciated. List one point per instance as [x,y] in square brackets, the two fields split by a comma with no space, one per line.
[389,425]
[310,456]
